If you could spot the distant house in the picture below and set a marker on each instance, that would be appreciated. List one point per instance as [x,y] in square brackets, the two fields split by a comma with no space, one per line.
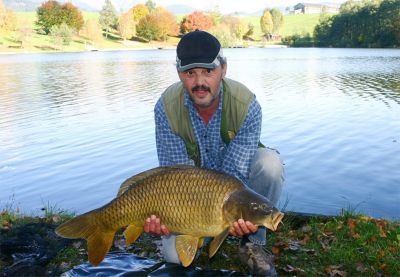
[309,8]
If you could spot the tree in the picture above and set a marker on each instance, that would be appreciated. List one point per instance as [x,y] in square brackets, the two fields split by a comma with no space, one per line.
[72,16]
[195,20]
[277,20]
[237,27]
[215,15]
[127,25]
[52,13]
[61,34]
[2,14]
[92,30]
[108,17]
[8,19]
[139,11]
[266,22]
[151,5]
[157,25]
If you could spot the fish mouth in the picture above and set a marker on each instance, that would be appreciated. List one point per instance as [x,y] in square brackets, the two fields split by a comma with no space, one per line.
[276,218]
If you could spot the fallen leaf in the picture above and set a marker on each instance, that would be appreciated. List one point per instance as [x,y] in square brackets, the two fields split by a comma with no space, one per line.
[361,267]
[304,240]
[275,250]
[352,224]
[381,253]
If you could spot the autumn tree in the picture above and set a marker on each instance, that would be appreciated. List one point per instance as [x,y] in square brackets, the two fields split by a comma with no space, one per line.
[195,20]
[8,19]
[2,14]
[127,25]
[108,17]
[92,30]
[266,22]
[277,20]
[237,27]
[139,11]
[157,25]
[52,13]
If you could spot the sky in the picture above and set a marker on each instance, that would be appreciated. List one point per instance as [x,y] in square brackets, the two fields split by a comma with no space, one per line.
[225,6]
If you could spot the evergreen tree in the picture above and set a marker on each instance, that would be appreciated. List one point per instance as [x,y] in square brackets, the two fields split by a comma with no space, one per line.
[108,17]
[151,5]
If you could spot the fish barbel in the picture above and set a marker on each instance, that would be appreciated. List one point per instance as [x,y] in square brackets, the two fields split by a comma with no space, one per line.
[192,202]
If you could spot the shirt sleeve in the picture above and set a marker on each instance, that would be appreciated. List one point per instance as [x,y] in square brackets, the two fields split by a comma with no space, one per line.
[241,149]
[171,148]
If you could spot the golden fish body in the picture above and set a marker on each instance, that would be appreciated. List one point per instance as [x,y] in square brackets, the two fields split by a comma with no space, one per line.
[192,202]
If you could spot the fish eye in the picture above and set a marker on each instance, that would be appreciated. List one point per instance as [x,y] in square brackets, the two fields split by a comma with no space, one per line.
[254,206]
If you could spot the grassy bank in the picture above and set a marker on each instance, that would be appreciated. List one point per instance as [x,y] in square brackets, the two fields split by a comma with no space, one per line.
[27,40]
[344,245]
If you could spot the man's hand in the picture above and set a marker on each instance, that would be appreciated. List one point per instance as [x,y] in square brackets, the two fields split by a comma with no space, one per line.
[153,225]
[241,228]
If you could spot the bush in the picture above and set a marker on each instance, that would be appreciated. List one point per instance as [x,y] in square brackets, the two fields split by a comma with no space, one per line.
[61,34]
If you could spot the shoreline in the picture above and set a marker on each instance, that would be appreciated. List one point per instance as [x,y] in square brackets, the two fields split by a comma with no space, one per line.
[304,244]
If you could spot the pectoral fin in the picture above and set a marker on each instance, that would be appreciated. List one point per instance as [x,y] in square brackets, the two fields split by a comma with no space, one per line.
[132,233]
[216,242]
[186,247]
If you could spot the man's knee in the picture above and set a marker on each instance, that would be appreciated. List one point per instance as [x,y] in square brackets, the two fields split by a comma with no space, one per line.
[267,162]
[267,174]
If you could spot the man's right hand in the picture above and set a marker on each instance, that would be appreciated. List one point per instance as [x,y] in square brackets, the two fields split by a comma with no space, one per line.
[153,226]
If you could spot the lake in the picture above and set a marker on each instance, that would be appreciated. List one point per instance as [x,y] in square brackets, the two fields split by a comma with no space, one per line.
[74,126]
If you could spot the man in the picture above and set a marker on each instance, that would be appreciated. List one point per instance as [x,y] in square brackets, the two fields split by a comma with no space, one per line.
[213,122]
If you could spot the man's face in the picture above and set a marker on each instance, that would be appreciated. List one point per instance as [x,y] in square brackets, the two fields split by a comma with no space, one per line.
[203,84]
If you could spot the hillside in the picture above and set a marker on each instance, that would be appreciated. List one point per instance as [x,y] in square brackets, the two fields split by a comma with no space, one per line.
[34,42]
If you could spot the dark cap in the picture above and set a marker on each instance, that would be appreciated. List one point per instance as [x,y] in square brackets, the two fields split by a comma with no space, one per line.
[198,49]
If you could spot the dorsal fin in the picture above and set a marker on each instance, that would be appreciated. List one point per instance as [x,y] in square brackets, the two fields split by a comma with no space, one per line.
[139,177]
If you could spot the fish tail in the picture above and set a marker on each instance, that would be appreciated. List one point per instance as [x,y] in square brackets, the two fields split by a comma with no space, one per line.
[88,227]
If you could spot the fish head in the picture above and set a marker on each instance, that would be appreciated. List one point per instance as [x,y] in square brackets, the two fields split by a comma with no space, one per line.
[252,207]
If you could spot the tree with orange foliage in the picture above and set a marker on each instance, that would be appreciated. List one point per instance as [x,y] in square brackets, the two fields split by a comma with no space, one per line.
[126,25]
[157,25]
[196,20]
[52,13]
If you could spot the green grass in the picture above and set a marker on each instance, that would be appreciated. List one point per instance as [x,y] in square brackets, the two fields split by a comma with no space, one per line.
[34,42]
[344,245]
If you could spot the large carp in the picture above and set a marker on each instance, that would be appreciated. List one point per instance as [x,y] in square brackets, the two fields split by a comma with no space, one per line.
[192,202]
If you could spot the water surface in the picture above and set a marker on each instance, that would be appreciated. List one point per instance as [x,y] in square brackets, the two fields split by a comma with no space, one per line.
[74,126]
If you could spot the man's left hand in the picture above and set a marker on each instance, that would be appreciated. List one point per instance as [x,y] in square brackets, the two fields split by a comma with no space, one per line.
[242,228]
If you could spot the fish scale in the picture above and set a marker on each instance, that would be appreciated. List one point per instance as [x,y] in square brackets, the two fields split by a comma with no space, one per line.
[192,202]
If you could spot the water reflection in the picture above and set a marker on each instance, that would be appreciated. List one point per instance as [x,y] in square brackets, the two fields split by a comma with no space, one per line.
[76,125]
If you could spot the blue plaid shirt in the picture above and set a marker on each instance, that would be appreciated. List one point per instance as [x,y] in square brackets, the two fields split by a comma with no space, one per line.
[233,159]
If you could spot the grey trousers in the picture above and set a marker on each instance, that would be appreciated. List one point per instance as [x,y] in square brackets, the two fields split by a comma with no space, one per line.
[266,178]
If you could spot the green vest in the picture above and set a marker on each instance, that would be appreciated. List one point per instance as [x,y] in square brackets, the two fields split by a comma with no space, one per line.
[235,104]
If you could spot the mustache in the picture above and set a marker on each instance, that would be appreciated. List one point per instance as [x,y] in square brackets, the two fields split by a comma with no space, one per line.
[202,87]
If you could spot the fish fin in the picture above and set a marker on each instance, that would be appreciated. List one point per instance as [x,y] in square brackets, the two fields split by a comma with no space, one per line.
[132,181]
[86,226]
[98,245]
[186,247]
[216,242]
[132,233]
[200,243]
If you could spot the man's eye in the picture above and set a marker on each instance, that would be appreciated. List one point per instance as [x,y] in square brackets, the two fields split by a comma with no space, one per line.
[209,70]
